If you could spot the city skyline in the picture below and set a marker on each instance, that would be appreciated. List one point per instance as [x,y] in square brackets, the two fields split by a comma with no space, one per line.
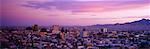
[72,12]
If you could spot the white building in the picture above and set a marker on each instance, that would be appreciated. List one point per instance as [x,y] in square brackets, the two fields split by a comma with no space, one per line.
[104,30]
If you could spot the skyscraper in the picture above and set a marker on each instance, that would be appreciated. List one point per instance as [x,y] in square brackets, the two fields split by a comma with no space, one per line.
[104,30]
[35,27]
[55,29]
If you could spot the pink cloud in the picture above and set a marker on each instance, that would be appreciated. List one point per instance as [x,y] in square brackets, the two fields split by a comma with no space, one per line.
[73,13]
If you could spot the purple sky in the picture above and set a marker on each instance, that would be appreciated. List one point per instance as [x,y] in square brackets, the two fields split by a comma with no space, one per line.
[72,12]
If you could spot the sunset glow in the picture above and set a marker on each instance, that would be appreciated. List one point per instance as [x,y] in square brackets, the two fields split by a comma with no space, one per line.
[73,12]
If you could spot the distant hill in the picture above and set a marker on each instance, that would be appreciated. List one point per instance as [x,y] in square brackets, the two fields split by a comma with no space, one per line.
[140,22]
[143,24]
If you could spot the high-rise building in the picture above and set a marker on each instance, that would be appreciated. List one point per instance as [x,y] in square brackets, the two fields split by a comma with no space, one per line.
[0,30]
[43,32]
[104,30]
[55,29]
[62,33]
[85,33]
[28,30]
[35,27]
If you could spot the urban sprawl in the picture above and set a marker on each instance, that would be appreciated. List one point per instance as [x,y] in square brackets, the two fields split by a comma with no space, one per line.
[59,37]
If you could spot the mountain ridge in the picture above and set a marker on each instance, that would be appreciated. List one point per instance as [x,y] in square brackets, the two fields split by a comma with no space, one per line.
[143,24]
[137,22]
[140,22]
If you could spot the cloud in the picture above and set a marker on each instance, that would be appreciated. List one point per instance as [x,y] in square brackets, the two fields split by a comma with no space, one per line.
[73,12]
[42,0]
[78,6]
[109,0]
[91,9]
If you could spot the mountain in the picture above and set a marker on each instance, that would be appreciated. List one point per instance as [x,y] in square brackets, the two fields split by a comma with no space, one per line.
[143,24]
[140,22]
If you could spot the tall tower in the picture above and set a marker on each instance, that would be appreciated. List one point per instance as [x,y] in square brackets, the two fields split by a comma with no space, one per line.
[35,27]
